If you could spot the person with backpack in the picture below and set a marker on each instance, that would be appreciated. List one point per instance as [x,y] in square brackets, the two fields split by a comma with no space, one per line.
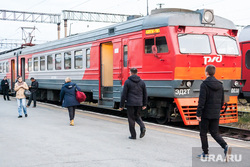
[68,98]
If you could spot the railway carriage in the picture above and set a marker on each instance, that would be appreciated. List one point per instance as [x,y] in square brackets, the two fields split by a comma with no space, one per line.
[170,48]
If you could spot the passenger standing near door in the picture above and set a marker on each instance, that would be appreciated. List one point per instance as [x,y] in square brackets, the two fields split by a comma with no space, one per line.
[5,88]
[20,87]
[33,90]
[135,94]
[211,100]
[68,98]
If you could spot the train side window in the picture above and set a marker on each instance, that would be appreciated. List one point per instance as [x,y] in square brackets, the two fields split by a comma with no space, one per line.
[161,45]
[148,45]
[1,68]
[29,64]
[125,55]
[58,61]
[247,59]
[7,66]
[87,58]
[4,68]
[78,59]
[42,63]
[35,64]
[49,62]
[67,60]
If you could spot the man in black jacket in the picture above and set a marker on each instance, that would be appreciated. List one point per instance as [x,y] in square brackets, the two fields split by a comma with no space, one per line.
[135,94]
[211,101]
[5,88]
[33,90]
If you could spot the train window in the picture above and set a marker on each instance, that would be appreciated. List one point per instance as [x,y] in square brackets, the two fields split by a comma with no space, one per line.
[78,59]
[226,45]
[49,62]
[4,68]
[148,45]
[247,59]
[87,58]
[125,56]
[1,68]
[7,66]
[58,61]
[42,63]
[29,64]
[67,60]
[35,64]
[161,45]
[194,43]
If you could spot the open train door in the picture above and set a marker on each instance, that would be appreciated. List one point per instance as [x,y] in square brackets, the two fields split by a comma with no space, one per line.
[125,61]
[13,74]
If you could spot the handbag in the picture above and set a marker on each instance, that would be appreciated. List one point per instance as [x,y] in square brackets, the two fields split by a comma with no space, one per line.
[80,96]
[27,93]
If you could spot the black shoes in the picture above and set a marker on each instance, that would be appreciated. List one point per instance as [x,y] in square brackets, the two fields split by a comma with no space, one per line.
[26,115]
[142,132]
[20,116]
[130,137]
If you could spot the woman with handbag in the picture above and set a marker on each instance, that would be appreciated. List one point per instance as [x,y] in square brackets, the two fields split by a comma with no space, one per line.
[68,98]
[20,88]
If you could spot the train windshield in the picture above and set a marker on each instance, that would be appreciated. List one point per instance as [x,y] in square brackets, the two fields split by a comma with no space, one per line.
[226,45]
[194,43]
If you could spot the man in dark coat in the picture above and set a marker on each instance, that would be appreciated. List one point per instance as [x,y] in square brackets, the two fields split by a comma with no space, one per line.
[68,98]
[211,101]
[5,88]
[33,90]
[135,94]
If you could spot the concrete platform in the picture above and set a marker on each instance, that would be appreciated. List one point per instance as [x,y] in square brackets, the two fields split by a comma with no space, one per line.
[45,139]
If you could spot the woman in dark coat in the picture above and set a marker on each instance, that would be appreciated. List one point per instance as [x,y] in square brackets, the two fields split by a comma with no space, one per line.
[68,98]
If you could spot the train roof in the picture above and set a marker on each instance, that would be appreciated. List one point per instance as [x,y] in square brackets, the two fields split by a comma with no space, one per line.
[245,34]
[172,18]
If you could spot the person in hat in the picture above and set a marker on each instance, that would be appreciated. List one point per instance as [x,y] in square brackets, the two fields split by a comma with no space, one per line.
[33,90]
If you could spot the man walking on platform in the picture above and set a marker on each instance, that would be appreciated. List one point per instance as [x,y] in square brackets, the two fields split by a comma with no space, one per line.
[135,95]
[5,88]
[211,101]
[33,90]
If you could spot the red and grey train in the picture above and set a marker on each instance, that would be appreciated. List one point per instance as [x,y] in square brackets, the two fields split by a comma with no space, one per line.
[170,48]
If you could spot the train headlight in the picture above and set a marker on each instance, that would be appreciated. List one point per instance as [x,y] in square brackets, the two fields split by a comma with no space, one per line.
[208,16]
[189,84]
[236,83]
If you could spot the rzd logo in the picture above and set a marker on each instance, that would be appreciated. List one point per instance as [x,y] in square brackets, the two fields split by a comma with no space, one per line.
[208,59]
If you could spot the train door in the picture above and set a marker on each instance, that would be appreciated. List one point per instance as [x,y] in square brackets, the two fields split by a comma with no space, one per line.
[13,74]
[23,68]
[125,61]
[107,70]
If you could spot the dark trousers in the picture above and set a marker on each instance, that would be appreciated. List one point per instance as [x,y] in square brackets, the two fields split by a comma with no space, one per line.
[71,110]
[6,93]
[213,126]
[134,116]
[32,97]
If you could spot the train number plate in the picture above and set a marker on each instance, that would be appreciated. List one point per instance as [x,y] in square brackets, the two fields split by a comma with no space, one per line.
[235,90]
[182,92]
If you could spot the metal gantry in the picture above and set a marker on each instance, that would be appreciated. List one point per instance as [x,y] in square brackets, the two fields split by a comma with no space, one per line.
[30,16]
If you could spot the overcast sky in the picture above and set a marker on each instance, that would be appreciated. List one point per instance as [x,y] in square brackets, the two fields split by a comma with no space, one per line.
[237,11]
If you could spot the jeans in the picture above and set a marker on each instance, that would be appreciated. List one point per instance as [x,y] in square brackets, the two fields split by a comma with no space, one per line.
[21,103]
[32,97]
[71,110]
[134,116]
[213,126]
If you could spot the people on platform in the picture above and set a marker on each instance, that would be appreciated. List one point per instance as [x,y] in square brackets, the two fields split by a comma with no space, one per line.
[135,95]
[20,87]
[211,100]
[5,88]
[68,98]
[33,89]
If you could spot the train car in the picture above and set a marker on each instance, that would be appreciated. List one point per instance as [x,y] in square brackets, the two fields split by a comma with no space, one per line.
[244,39]
[170,48]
